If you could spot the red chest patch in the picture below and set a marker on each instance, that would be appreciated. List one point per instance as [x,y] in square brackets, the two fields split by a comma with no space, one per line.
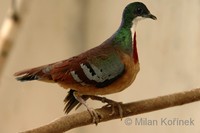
[135,53]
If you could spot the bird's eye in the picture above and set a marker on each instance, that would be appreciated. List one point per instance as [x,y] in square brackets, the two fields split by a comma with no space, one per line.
[139,11]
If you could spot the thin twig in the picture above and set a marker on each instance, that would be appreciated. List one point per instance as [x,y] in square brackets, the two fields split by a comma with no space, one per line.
[68,122]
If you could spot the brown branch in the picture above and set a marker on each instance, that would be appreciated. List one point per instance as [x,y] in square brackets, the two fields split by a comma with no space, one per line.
[68,122]
[10,29]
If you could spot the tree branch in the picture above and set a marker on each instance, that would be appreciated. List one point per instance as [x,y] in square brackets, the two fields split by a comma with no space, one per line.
[68,122]
[10,28]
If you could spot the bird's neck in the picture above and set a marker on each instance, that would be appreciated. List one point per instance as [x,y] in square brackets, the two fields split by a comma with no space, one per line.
[125,39]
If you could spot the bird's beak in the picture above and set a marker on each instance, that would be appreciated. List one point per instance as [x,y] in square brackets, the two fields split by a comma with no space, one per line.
[151,16]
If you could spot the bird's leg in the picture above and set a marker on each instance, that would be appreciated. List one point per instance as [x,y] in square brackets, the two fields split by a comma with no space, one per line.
[92,112]
[111,103]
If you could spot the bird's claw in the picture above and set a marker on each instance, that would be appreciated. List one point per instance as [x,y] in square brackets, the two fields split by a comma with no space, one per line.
[114,104]
[110,103]
[94,115]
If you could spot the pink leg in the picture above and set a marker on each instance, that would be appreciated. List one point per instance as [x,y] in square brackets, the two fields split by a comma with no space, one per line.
[92,112]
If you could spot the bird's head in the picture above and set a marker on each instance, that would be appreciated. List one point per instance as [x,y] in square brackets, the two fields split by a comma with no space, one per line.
[134,12]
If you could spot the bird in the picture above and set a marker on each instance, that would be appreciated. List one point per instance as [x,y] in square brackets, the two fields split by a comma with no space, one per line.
[105,69]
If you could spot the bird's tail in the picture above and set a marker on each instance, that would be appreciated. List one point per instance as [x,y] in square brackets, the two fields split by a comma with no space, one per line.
[27,78]
[28,75]
[71,101]
[33,74]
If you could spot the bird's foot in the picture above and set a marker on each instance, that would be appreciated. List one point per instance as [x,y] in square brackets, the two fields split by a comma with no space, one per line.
[110,103]
[114,104]
[95,116]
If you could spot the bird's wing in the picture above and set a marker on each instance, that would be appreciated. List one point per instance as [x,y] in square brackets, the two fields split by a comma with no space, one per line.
[98,67]
[95,68]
